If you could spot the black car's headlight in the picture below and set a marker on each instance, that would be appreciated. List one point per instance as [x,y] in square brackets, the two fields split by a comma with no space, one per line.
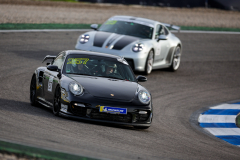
[144,97]
[75,88]
[138,47]
[84,38]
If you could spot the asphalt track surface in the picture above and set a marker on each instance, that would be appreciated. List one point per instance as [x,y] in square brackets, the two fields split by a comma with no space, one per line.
[208,75]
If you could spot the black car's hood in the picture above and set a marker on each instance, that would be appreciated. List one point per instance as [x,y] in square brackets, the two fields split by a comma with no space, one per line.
[107,88]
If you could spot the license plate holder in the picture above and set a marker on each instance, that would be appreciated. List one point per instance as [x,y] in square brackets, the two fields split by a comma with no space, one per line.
[112,110]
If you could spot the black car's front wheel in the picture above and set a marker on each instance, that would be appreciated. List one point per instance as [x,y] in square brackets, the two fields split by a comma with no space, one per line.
[57,103]
[33,91]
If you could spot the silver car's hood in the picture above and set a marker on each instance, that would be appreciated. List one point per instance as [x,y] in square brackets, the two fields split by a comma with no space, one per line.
[110,40]
[115,41]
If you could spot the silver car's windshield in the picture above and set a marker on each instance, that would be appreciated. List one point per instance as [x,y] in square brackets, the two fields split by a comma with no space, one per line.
[97,66]
[127,28]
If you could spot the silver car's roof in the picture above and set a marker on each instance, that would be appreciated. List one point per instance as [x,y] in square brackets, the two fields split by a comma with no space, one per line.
[144,21]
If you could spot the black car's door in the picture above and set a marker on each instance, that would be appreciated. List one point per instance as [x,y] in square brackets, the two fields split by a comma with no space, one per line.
[48,85]
[51,79]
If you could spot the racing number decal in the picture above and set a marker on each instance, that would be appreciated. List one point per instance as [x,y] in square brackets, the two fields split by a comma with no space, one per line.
[77,60]
[158,50]
[50,83]
[111,22]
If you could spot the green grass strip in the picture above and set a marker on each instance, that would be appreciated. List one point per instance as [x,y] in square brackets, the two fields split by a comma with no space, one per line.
[33,152]
[18,26]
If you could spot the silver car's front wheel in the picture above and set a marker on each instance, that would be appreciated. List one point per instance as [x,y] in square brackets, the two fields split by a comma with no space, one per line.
[176,59]
[149,63]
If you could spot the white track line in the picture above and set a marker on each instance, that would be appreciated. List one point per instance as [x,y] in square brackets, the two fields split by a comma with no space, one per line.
[224,131]
[226,106]
[84,30]
[217,118]
[206,32]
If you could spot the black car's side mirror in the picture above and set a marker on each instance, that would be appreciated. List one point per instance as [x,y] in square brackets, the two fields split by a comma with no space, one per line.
[94,26]
[59,75]
[55,69]
[52,68]
[141,78]
[162,37]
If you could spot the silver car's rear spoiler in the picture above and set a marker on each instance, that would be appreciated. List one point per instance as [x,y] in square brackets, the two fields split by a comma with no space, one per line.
[48,57]
[172,26]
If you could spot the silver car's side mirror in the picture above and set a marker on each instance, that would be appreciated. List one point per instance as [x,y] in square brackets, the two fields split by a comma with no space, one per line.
[94,26]
[162,37]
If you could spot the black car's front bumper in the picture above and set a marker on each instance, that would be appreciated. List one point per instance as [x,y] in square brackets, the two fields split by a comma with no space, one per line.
[90,111]
[146,124]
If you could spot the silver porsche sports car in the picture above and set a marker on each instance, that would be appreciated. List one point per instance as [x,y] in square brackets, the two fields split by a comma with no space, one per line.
[144,43]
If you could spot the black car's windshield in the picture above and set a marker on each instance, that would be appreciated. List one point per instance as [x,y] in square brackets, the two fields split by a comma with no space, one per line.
[127,28]
[97,66]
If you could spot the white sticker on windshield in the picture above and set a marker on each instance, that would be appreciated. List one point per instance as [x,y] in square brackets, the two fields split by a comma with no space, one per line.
[50,83]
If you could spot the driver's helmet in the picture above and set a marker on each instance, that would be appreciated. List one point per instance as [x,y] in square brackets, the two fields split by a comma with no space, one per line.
[147,31]
[74,67]
[110,65]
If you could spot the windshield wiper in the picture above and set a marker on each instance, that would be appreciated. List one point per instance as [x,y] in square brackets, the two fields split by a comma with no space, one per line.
[112,77]
[81,74]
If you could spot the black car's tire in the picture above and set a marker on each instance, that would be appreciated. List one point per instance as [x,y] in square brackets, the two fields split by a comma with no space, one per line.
[149,63]
[33,91]
[141,127]
[176,59]
[57,103]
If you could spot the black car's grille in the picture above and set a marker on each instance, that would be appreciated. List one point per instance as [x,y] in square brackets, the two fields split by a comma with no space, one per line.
[95,114]
[141,117]
[80,111]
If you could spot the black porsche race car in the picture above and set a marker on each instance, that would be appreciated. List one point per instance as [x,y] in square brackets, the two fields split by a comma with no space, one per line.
[92,86]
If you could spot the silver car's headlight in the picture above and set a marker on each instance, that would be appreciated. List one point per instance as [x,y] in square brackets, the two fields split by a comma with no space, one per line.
[144,97]
[138,47]
[84,38]
[75,88]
